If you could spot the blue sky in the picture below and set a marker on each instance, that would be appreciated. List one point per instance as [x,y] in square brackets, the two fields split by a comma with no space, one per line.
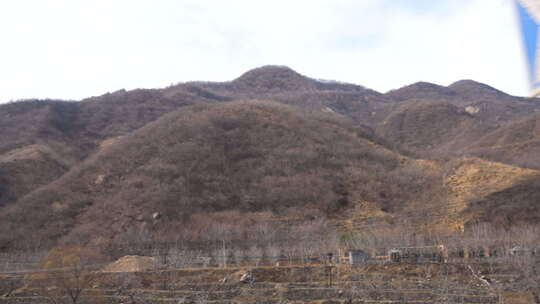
[73,49]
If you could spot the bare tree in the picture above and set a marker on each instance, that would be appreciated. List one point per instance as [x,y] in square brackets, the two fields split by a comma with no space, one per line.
[239,256]
[255,253]
[67,274]
[274,254]
[291,253]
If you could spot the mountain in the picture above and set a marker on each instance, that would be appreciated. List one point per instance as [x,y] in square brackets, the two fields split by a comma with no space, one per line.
[243,156]
[509,207]
[273,78]
[465,118]
[428,128]
[475,89]
[270,146]
[480,100]
[517,142]
[39,143]
[421,90]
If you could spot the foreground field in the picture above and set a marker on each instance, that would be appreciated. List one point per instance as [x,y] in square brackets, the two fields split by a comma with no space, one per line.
[321,284]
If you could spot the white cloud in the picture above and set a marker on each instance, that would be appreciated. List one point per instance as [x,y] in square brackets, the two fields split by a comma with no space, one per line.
[74,48]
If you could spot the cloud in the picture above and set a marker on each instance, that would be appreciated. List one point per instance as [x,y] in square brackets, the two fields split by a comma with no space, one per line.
[74,49]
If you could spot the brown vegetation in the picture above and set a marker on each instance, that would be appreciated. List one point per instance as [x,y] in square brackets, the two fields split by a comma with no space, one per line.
[161,160]
[247,156]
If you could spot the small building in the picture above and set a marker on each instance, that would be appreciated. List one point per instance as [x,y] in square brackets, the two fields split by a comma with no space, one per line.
[357,256]
[457,252]
[495,252]
[417,254]
[477,252]
[394,255]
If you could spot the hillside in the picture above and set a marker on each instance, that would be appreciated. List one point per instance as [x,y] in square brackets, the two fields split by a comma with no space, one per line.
[271,146]
[42,139]
[465,118]
[243,156]
[517,143]
[38,145]
[428,128]
[514,205]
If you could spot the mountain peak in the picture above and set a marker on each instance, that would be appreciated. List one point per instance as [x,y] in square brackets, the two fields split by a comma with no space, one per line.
[471,86]
[274,77]
[419,90]
[423,86]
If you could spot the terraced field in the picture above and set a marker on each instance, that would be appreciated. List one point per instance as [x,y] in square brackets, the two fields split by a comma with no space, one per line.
[428,283]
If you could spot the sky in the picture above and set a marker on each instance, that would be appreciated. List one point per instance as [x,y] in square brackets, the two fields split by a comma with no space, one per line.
[72,49]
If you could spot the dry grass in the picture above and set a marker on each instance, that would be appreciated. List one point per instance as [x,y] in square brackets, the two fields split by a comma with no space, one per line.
[131,264]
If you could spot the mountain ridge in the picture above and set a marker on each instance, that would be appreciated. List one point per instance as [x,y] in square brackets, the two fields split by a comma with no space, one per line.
[63,163]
